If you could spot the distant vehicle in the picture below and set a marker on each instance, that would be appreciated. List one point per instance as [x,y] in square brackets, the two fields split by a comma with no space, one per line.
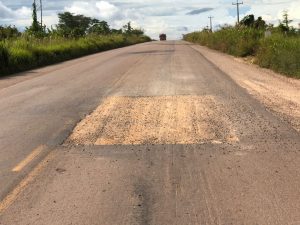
[163,37]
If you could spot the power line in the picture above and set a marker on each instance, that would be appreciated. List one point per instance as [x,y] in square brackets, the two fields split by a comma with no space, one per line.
[238,9]
[210,19]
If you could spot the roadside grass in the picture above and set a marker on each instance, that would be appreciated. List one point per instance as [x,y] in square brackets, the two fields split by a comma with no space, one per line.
[25,53]
[241,42]
[279,52]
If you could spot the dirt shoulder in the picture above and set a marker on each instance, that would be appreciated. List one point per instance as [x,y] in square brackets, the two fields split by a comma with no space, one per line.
[280,94]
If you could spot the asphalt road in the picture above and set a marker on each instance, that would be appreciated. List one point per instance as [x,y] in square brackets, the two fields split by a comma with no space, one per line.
[44,109]
[170,139]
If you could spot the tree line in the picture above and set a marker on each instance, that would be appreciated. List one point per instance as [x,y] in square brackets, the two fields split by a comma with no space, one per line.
[69,26]
[283,26]
[249,21]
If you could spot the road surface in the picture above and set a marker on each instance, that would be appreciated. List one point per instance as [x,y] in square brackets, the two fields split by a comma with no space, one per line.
[149,134]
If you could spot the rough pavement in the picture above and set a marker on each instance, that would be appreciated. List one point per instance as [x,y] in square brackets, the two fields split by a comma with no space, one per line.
[170,139]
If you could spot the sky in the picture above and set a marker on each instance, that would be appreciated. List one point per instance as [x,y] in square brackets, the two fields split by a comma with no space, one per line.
[173,17]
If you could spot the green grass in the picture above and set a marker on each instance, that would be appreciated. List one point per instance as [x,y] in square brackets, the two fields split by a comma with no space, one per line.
[279,52]
[22,54]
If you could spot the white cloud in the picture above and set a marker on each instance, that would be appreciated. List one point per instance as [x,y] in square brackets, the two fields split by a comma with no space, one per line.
[294,13]
[20,17]
[23,12]
[7,13]
[100,9]
[107,10]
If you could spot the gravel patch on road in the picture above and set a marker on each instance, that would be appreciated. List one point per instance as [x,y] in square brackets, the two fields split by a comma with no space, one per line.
[155,120]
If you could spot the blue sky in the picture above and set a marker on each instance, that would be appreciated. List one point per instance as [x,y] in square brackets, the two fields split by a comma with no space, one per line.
[174,17]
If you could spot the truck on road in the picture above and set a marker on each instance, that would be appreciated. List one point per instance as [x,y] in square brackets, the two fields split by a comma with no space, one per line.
[163,37]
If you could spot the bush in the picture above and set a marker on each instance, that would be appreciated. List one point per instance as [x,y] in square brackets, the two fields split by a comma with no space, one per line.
[279,52]
[28,52]
[238,42]
[4,55]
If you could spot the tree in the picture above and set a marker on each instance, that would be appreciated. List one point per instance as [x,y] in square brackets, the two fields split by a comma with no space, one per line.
[248,21]
[36,28]
[99,27]
[70,25]
[138,32]
[286,20]
[206,29]
[284,24]
[9,32]
[116,31]
[260,23]
[35,24]
[127,28]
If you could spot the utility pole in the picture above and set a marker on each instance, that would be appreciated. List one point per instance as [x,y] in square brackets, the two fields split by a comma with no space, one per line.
[238,9]
[41,5]
[210,18]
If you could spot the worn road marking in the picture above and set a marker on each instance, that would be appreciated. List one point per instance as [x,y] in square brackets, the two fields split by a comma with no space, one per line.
[29,158]
[12,196]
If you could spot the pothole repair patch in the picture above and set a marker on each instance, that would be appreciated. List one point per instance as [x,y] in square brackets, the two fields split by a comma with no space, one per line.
[154,120]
